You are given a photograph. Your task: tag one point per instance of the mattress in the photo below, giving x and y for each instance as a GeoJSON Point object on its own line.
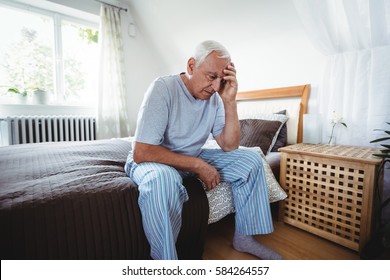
{"type": "Point", "coordinates": [73, 200]}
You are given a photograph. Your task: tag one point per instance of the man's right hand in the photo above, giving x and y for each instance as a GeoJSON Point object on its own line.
{"type": "Point", "coordinates": [208, 175]}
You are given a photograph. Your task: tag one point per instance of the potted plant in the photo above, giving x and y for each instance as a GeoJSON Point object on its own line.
{"type": "Point", "coordinates": [384, 153]}
{"type": "Point", "coordinates": [21, 93]}
{"type": "Point", "coordinates": [380, 240]}
{"type": "Point", "coordinates": [40, 96]}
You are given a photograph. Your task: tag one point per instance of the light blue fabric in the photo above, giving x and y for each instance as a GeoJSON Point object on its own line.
{"type": "Point", "coordinates": [170, 116]}
{"type": "Point", "coordinates": [161, 196]}
{"type": "Point", "coordinates": [244, 170]}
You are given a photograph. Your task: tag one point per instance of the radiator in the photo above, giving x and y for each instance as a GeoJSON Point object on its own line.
{"type": "Point", "coordinates": [36, 129]}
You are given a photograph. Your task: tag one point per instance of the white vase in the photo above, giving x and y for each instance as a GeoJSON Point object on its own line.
{"type": "Point", "coordinates": [332, 140]}
{"type": "Point", "coordinates": [22, 99]}
{"type": "Point", "coordinates": [40, 97]}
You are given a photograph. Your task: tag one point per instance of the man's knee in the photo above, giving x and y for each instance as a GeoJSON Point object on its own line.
{"type": "Point", "coordinates": [162, 184]}
{"type": "Point", "coordinates": [250, 157]}
{"type": "Point", "coordinates": [161, 173]}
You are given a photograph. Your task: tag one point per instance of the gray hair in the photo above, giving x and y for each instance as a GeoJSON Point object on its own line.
{"type": "Point", "coordinates": [207, 47]}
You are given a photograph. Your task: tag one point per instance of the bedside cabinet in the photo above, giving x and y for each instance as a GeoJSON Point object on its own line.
{"type": "Point", "coordinates": [330, 191]}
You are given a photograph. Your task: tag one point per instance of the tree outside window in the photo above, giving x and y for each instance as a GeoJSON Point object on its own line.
{"type": "Point", "coordinates": [62, 61]}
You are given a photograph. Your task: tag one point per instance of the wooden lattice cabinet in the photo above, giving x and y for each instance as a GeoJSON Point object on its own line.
{"type": "Point", "coordinates": [330, 191]}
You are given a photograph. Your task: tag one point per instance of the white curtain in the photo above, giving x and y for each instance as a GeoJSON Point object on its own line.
{"type": "Point", "coordinates": [355, 37]}
{"type": "Point", "coordinates": [112, 109]}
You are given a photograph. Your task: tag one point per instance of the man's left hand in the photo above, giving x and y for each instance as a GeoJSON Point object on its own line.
{"type": "Point", "coordinates": [229, 88]}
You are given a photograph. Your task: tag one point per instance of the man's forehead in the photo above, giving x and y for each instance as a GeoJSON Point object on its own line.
{"type": "Point", "coordinates": [215, 65]}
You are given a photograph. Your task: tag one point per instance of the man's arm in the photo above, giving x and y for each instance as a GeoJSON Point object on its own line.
{"type": "Point", "coordinates": [154, 153]}
{"type": "Point", "coordinates": [229, 138]}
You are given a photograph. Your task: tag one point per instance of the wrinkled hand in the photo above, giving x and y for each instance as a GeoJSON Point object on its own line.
{"type": "Point", "coordinates": [209, 176]}
{"type": "Point", "coordinates": [228, 91]}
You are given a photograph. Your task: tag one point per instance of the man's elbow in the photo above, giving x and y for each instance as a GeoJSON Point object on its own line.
{"type": "Point", "coordinates": [228, 145]}
{"type": "Point", "coordinates": [230, 148]}
{"type": "Point", "coordinates": [138, 156]}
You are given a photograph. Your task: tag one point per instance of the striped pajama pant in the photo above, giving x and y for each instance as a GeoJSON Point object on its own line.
{"type": "Point", "coordinates": [161, 196]}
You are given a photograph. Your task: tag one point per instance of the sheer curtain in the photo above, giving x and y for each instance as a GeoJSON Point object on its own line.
{"type": "Point", "coordinates": [355, 37]}
{"type": "Point", "coordinates": [112, 109]}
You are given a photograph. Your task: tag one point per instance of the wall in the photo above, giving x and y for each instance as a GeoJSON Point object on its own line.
{"type": "Point", "coordinates": [265, 38]}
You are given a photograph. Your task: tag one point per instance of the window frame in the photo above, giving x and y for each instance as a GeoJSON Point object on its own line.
{"type": "Point", "coordinates": [58, 13]}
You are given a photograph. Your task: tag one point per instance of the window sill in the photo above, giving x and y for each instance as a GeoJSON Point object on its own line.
{"type": "Point", "coordinates": [38, 109]}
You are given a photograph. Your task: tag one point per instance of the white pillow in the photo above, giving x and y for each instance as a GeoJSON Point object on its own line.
{"type": "Point", "coordinates": [269, 117]}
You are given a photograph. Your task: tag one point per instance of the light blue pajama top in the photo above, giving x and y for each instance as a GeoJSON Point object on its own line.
{"type": "Point", "coordinates": [171, 117]}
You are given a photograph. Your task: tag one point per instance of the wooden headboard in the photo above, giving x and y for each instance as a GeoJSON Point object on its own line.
{"type": "Point", "coordinates": [301, 92]}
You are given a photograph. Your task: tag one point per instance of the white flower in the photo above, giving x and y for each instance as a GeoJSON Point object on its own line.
{"type": "Point", "coordinates": [335, 119]}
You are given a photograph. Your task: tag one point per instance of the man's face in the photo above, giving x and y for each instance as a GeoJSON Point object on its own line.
{"type": "Point", "coordinates": [207, 78]}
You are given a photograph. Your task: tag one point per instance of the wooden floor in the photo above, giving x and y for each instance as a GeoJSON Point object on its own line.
{"type": "Point", "coordinates": [291, 242]}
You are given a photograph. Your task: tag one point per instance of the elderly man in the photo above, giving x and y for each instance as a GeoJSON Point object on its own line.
{"type": "Point", "coordinates": [176, 118]}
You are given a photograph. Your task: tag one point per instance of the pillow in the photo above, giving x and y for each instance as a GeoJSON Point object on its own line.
{"type": "Point", "coordinates": [281, 141]}
{"type": "Point", "coordinates": [259, 133]}
{"type": "Point", "coordinates": [278, 116]}
{"type": "Point", "coordinates": [220, 202]}
{"type": "Point", "coordinates": [221, 197]}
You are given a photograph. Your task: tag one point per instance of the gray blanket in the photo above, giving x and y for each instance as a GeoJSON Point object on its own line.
{"type": "Point", "coordinates": [73, 200]}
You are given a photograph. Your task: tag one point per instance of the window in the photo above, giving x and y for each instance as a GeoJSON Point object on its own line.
{"type": "Point", "coordinates": [50, 51]}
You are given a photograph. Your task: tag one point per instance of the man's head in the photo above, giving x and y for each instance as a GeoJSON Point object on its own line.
{"type": "Point", "coordinates": [205, 69]}
{"type": "Point", "coordinates": [206, 47]}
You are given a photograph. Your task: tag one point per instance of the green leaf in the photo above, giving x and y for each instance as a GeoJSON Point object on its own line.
{"type": "Point", "coordinates": [380, 140]}
{"type": "Point", "coordinates": [382, 155]}
{"type": "Point", "coordinates": [344, 124]}
{"type": "Point", "coordinates": [14, 90]}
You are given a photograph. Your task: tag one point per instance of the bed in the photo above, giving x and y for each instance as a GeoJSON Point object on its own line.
{"type": "Point", "coordinates": [73, 200]}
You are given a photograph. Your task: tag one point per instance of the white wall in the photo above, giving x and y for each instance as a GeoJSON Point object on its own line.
{"type": "Point", "coordinates": [265, 38]}
{"type": "Point", "coordinates": [143, 64]}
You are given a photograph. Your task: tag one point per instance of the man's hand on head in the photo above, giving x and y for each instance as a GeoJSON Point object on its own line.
{"type": "Point", "coordinates": [229, 87]}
